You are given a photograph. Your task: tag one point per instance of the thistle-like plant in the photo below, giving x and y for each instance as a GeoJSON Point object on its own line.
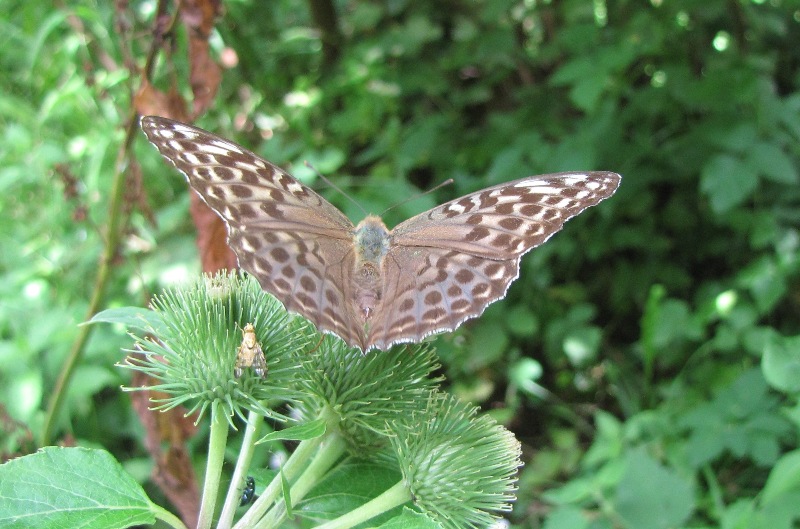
{"type": "Point", "coordinates": [376, 439]}
{"type": "Point", "coordinates": [191, 340]}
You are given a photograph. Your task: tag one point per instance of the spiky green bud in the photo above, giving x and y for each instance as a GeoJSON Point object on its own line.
{"type": "Point", "coordinates": [192, 347]}
{"type": "Point", "coordinates": [363, 391]}
{"type": "Point", "coordinates": [459, 467]}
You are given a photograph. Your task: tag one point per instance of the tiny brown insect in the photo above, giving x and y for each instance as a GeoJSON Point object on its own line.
{"type": "Point", "coordinates": [250, 354]}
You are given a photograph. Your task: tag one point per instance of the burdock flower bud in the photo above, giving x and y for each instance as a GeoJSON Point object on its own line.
{"type": "Point", "coordinates": [361, 392]}
{"type": "Point", "coordinates": [460, 468]}
{"type": "Point", "coordinates": [194, 334]}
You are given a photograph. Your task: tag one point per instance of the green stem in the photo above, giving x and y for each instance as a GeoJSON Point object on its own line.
{"type": "Point", "coordinates": [167, 517]}
{"type": "Point", "coordinates": [254, 421]}
{"type": "Point", "coordinates": [717, 505]}
{"type": "Point", "coordinates": [112, 236]}
{"type": "Point", "coordinates": [329, 452]}
{"type": "Point", "coordinates": [216, 455]}
{"type": "Point", "coordinates": [394, 497]}
{"type": "Point", "coordinates": [297, 461]}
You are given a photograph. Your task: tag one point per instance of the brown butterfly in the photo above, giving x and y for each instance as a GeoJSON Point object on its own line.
{"type": "Point", "coordinates": [369, 285]}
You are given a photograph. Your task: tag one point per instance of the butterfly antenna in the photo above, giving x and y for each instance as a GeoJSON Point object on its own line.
{"type": "Point", "coordinates": [419, 195]}
{"type": "Point", "coordinates": [337, 188]}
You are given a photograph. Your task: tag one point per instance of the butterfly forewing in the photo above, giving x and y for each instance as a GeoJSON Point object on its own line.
{"type": "Point", "coordinates": [371, 287]}
{"type": "Point", "coordinates": [242, 187]}
{"type": "Point", "coordinates": [508, 219]}
{"type": "Point", "coordinates": [296, 243]}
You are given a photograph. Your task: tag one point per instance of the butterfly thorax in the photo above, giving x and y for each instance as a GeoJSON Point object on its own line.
{"type": "Point", "coordinates": [371, 242]}
{"type": "Point", "coordinates": [371, 238]}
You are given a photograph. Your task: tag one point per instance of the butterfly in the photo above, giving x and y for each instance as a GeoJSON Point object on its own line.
{"type": "Point", "coordinates": [371, 286]}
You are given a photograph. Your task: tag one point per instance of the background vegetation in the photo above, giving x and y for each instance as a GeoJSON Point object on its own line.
{"type": "Point", "coordinates": [648, 357]}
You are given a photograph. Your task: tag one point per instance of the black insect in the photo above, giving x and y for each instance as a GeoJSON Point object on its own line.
{"type": "Point", "coordinates": [249, 491]}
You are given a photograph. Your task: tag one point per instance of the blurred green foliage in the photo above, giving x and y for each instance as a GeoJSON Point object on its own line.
{"type": "Point", "coordinates": [647, 356]}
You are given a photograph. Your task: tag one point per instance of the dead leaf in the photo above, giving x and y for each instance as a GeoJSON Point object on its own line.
{"type": "Point", "coordinates": [165, 439]}
{"type": "Point", "coordinates": [205, 74]}
{"type": "Point", "coordinates": [150, 101]}
{"type": "Point", "coordinates": [17, 437]}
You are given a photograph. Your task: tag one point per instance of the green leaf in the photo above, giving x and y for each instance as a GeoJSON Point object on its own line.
{"type": "Point", "coordinates": [651, 496]}
{"type": "Point", "coordinates": [784, 477]}
{"type": "Point", "coordinates": [301, 432]}
{"type": "Point", "coordinates": [743, 418]}
{"type": "Point", "coordinates": [89, 380]}
{"type": "Point", "coordinates": [781, 363]}
{"type": "Point", "coordinates": [567, 516]}
{"type": "Point", "coordinates": [524, 373]}
{"type": "Point", "coordinates": [71, 487]}
{"type": "Point", "coordinates": [522, 321]}
{"type": "Point", "coordinates": [765, 282]}
{"type": "Point", "coordinates": [346, 487]}
{"type": "Point", "coordinates": [131, 317]}
{"type": "Point", "coordinates": [650, 320]}
{"type": "Point", "coordinates": [608, 440]}
{"type": "Point", "coordinates": [738, 138]}
{"type": "Point", "coordinates": [581, 344]}
{"type": "Point", "coordinates": [781, 513]}
{"type": "Point", "coordinates": [506, 163]}
{"type": "Point", "coordinates": [486, 344]}
{"type": "Point", "coordinates": [668, 323]}
{"type": "Point", "coordinates": [727, 182]}
{"type": "Point", "coordinates": [769, 160]}
{"type": "Point", "coordinates": [738, 515]}
{"type": "Point", "coordinates": [586, 93]}
{"type": "Point", "coordinates": [575, 491]}
{"type": "Point", "coordinates": [409, 519]}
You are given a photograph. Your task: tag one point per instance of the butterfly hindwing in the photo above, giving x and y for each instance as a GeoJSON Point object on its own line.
{"type": "Point", "coordinates": [430, 290]}
{"type": "Point", "coordinates": [309, 274]}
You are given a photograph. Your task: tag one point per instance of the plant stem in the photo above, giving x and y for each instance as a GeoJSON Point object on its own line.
{"type": "Point", "coordinates": [112, 236]}
{"type": "Point", "coordinates": [216, 455]}
{"type": "Point", "coordinates": [167, 517]}
{"type": "Point", "coordinates": [254, 421]}
{"type": "Point", "coordinates": [329, 452]}
{"type": "Point", "coordinates": [394, 497]}
{"type": "Point", "coordinates": [291, 468]}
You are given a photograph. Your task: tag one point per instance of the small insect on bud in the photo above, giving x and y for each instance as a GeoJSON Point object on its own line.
{"type": "Point", "coordinates": [250, 354]}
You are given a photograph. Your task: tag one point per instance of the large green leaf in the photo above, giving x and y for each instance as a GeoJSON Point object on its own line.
{"type": "Point", "coordinates": [70, 487]}
{"type": "Point", "coordinates": [651, 496]}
